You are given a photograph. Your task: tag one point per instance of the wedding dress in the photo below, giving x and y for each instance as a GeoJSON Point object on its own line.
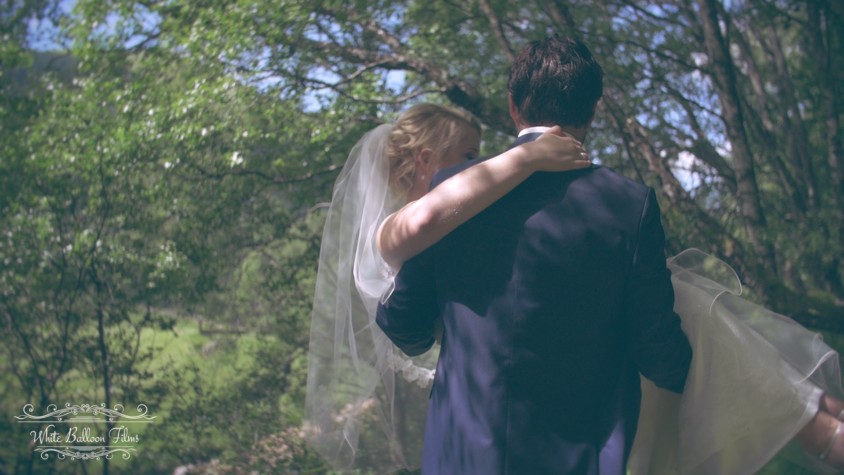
{"type": "Point", "coordinates": [756, 376]}
{"type": "Point", "coordinates": [755, 380]}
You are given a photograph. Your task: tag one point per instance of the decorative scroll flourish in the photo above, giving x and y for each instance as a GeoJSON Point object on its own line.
{"type": "Point", "coordinates": [80, 453]}
{"type": "Point", "coordinates": [54, 413]}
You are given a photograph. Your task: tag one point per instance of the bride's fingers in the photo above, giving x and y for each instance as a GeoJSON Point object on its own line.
{"type": "Point", "coordinates": [583, 155]}
{"type": "Point", "coordinates": [833, 406]}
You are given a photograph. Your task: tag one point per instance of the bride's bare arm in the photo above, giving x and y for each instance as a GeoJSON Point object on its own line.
{"type": "Point", "coordinates": [423, 222]}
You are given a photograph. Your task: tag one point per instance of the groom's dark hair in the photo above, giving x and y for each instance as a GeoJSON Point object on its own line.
{"type": "Point", "coordinates": [556, 81]}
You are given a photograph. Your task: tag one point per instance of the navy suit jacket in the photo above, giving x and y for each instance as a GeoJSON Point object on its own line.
{"type": "Point", "coordinates": [553, 300]}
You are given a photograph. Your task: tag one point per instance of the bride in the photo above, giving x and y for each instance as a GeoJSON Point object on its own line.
{"type": "Point", "coordinates": [757, 380]}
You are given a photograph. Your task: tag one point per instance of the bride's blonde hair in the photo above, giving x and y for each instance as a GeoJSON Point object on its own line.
{"type": "Point", "coordinates": [423, 126]}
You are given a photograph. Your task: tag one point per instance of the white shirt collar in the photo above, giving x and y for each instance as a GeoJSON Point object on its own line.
{"type": "Point", "coordinates": [533, 130]}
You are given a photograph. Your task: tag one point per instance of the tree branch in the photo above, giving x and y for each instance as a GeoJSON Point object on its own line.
{"type": "Point", "coordinates": [497, 30]}
{"type": "Point", "coordinates": [262, 175]}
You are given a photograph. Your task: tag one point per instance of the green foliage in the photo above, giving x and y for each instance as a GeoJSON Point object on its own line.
{"type": "Point", "coordinates": [168, 170]}
{"type": "Point", "coordinates": [225, 403]}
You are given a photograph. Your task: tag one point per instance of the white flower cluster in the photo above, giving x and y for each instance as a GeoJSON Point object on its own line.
{"type": "Point", "coordinates": [352, 411]}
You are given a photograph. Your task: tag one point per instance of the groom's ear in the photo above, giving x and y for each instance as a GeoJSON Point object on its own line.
{"type": "Point", "coordinates": [594, 110]}
{"type": "Point", "coordinates": [514, 113]}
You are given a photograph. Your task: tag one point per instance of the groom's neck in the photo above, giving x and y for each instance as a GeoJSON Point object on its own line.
{"type": "Point", "coordinates": [578, 133]}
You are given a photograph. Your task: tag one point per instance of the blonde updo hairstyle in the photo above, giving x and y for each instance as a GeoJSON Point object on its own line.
{"type": "Point", "coordinates": [430, 126]}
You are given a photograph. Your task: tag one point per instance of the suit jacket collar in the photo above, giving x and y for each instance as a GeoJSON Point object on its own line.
{"type": "Point", "coordinates": [525, 139]}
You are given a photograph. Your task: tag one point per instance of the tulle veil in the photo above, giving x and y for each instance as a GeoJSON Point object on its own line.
{"type": "Point", "coordinates": [365, 403]}
{"type": "Point", "coordinates": [755, 380]}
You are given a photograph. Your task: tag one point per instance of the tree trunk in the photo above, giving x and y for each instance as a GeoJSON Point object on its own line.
{"type": "Point", "coordinates": [820, 23]}
{"type": "Point", "coordinates": [106, 367]}
{"type": "Point", "coordinates": [749, 202]}
{"type": "Point", "coordinates": [794, 129]}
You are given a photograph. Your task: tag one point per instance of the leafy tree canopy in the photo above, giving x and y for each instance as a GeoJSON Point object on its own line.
{"type": "Point", "coordinates": [174, 158]}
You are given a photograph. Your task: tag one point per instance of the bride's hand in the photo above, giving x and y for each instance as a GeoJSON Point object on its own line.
{"type": "Point", "coordinates": [555, 151]}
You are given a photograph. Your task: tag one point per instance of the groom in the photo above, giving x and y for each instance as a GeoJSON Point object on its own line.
{"type": "Point", "coordinates": [553, 301]}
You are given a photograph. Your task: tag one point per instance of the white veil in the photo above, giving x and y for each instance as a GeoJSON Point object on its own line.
{"type": "Point", "coordinates": [358, 414]}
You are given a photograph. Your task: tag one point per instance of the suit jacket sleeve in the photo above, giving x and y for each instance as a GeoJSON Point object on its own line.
{"type": "Point", "coordinates": [659, 346]}
{"type": "Point", "coordinates": [407, 316]}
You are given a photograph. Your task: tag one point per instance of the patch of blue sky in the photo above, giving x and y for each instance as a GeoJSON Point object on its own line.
{"type": "Point", "coordinates": [44, 34]}
{"type": "Point", "coordinates": [148, 22]}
